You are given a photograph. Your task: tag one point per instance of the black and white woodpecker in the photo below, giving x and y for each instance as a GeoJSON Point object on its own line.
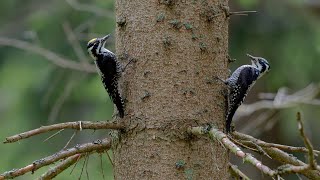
{"type": "Point", "coordinates": [240, 82]}
{"type": "Point", "coordinates": [109, 69]}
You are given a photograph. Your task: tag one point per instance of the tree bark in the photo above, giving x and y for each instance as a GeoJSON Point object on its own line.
{"type": "Point", "coordinates": [179, 46]}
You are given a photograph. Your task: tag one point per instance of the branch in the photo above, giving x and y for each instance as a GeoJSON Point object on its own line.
{"type": "Point", "coordinates": [96, 146]}
{"type": "Point", "coordinates": [235, 172]}
{"type": "Point", "coordinates": [221, 137]}
{"type": "Point", "coordinates": [312, 161]}
{"type": "Point", "coordinates": [71, 37]}
{"type": "Point", "coordinates": [266, 144]}
{"type": "Point", "coordinates": [51, 56]}
{"type": "Point", "coordinates": [283, 100]}
{"type": "Point", "coordinates": [79, 125]}
{"type": "Point", "coordinates": [54, 171]}
{"type": "Point", "coordinates": [276, 154]}
{"type": "Point", "coordinates": [241, 13]}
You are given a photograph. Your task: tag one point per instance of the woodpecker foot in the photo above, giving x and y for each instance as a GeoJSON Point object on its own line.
{"type": "Point", "coordinates": [216, 78]}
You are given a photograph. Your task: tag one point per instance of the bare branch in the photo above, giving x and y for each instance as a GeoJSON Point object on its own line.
{"type": "Point", "coordinates": [96, 146]}
{"type": "Point", "coordinates": [221, 137]}
{"type": "Point", "coordinates": [288, 168]}
{"type": "Point", "coordinates": [74, 42]}
{"type": "Point", "coordinates": [235, 172]}
{"type": "Point", "coordinates": [68, 125]}
{"type": "Point", "coordinates": [49, 55]}
{"type": "Point", "coordinates": [312, 161]}
{"type": "Point", "coordinates": [283, 100]}
{"type": "Point", "coordinates": [278, 155]}
{"type": "Point", "coordinates": [278, 146]}
{"type": "Point", "coordinates": [63, 165]}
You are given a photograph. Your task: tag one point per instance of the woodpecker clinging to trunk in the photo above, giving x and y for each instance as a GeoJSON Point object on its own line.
{"type": "Point", "coordinates": [109, 69]}
{"type": "Point", "coordinates": [240, 82]}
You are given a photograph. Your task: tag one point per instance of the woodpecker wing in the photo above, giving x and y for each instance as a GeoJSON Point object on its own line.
{"type": "Point", "coordinates": [110, 71]}
{"type": "Point", "coordinates": [239, 90]}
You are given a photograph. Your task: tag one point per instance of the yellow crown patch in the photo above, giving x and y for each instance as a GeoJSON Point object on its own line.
{"type": "Point", "coordinates": [92, 40]}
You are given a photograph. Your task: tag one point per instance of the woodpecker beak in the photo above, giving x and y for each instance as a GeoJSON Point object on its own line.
{"type": "Point", "coordinates": [105, 38]}
{"type": "Point", "coordinates": [253, 59]}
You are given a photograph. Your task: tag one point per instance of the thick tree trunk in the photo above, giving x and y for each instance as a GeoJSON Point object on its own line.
{"type": "Point", "coordinates": [178, 47]}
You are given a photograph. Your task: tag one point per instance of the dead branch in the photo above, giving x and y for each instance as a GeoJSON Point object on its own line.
{"type": "Point", "coordinates": [49, 55]}
{"type": "Point", "coordinates": [288, 168]}
{"type": "Point", "coordinates": [96, 146]}
{"type": "Point", "coordinates": [283, 100]}
{"type": "Point", "coordinates": [307, 143]}
{"type": "Point", "coordinates": [276, 154]}
{"type": "Point", "coordinates": [235, 172]}
{"type": "Point", "coordinates": [79, 125]}
{"type": "Point", "coordinates": [73, 41]}
{"type": "Point", "coordinates": [223, 138]}
{"type": "Point", "coordinates": [63, 165]}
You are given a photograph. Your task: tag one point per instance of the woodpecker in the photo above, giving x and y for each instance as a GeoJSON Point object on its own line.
{"type": "Point", "coordinates": [240, 83]}
{"type": "Point", "coordinates": [109, 69]}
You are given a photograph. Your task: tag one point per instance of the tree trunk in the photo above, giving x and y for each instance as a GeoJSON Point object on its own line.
{"type": "Point", "coordinates": [178, 47]}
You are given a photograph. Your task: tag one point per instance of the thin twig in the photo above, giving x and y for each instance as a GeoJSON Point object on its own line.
{"type": "Point", "coordinates": [241, 13]}
{"type": "Point", "coordinates": [74, 166]}
{"type": "Point", "coordinates": [109, 158]}
{"type": "Point", "coordinates": [54, 171]}
{"type": "Point", "coordinates": [67, 125]}
{"type": "Point", "coordinates": [235, 172]}
{"type": "Point", "coordinates": [49, 55]}
{"type": "Point", "coordinates": [84, 162]}
{"type": "Point", "coordinates": [87, 162]}
{"type": "Point", "coordinates": [73, 41]}
{"type": "Point", "coordinates": [69, 140]}
{"type": "Point", "coordinates": [53, 135]}
{"type": "Point", "coordinates": [102, 172]}
{"type": "Point", "coordinates": [307, 143]}
{"type": "Point", "coordinates": [103, 145]}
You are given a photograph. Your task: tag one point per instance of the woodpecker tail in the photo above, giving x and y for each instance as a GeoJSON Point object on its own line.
{"type": "Point", "coordinates": [230, 114]}
{"type": "Point", "coordinates": [120, 105]}
{"type": "Point", "coordinates": [111, 85]}
{"type": "Point", "coordinates": [118, 101]}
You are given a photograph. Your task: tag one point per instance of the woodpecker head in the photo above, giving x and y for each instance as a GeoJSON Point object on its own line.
{"type": "Point", "coordinates": [260, 63]}
{"type": "Point", "coordinates": [96, 46]}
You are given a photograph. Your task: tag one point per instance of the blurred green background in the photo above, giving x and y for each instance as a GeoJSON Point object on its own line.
{"type": "Point", "coordinates": [35, 92]}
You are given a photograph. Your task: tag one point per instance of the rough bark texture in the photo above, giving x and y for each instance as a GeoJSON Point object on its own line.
{"type": "Point", "coordinates": [178, 45]}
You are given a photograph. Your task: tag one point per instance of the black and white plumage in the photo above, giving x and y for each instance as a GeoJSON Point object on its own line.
{"type": "Point", "coordinates": [240, 82]}
{"type": "Point", "coordinates": [109, 69]}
